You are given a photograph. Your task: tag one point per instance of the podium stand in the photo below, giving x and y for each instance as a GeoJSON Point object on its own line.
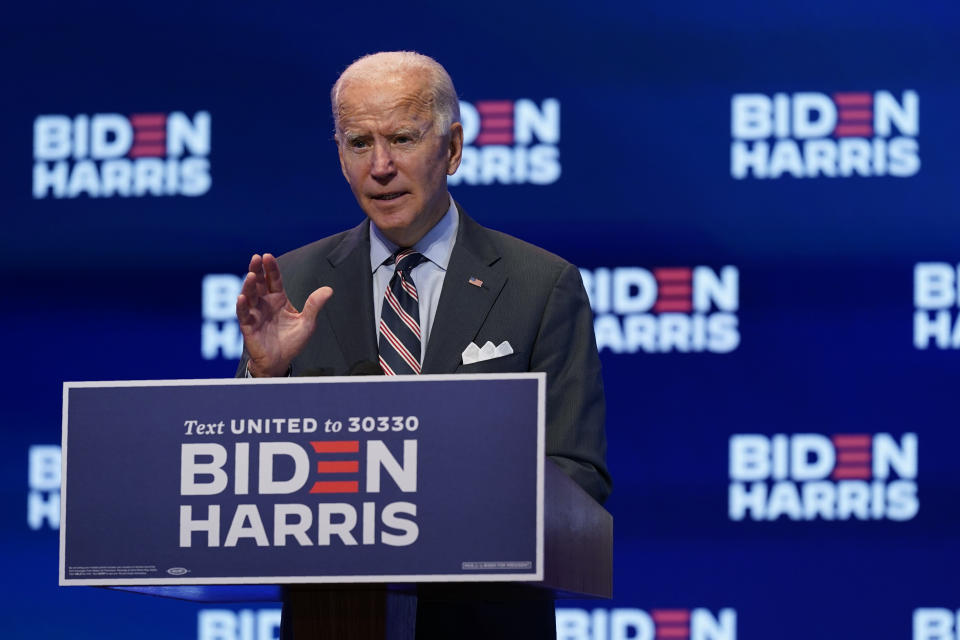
{"type": "Point", "coordinates": [349, 498]}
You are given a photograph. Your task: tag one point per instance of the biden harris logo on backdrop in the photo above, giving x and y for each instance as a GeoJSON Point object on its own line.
{"type": "Point", "coordinates": [810, 476]}
{"type": "Point", "coordinates": [665, 309]}
{"type": "Point", "coordinates": [810, 134]}
{"type": "Point", "coordinates": [245, 624]}
{"type": "Point", "coordinates": [219, 333]}
{"type": "Point", "coordinates": [509, 142]}
{"type": "Point", "coordinates": [936, 623]}
{"type": "Point", "coordinates": [655, 624]}
{"type": "Point", "coordinates": [936, 301]}
{"type": "Point", "coordinates": [106, 155]}
{"type": "Point", "coordinates": [43, 487]}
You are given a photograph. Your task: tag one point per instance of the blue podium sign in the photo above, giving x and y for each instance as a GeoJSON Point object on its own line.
{"type": "Point", "coordinates": [303, 480]}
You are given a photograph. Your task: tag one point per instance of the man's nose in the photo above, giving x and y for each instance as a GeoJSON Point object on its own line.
{"type": "Point", "coordinates": [382, 167]}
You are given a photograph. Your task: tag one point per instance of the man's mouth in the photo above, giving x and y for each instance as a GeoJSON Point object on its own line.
{"type": "Point", "coordinates": [389, 196]}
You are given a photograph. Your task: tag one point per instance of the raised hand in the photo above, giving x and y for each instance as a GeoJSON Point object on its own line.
{"type": "Point", "coordinates": [274, 332]}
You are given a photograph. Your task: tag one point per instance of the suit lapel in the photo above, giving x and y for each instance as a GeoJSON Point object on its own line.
{"type": "Point", "coordinates": [350, 310]}
{"type": "Point", "coordinates": [463, 306]}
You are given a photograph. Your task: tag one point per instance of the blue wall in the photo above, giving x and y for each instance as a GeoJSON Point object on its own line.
{"type": "Point", "coordinates": [794, 164]}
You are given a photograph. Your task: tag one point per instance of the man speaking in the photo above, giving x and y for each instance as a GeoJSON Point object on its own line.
{"type": "Point", "coordinates": [421, 287]}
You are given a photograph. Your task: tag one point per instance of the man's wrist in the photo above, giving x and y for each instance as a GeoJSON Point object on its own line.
{"type": "Point", "coordinates": [287, 374]}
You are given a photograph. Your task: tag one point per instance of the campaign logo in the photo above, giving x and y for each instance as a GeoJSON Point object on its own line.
{"type": "Point", "coordinates": [43, 487]}
{"type": "Point", "coordinates": [935, 623]}
{"type": "Point", "coordinates": [666, 309]}
{"type": "Point", "coordinates": [245, 624]}
{"type": "Point", "coordinates": [638, 624]}
{"type": "Point", "coordinates": [809, 134]}
{"type": "Point", "coordinates": [936, 301]}
{"type": "Point", "coordinates": [219, 332]}
{"type": "Point", "coordinates": [808, 476]}
{"type": "Point", "coordinates": [324, 466]}
{"type": "Point", "coordinates": [509, 142]}
{"type": "Point", "coordinates": [109, 154]}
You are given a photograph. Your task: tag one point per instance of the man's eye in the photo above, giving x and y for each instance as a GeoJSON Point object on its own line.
{"type": "Point", "coordinates": [358, 144]}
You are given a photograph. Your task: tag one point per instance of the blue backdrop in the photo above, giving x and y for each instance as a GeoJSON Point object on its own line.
{"type": "Point", "coordinates": [760, 196]}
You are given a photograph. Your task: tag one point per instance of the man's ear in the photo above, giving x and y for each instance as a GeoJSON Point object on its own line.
{"type": "Point", "coordinates": [455, 148]}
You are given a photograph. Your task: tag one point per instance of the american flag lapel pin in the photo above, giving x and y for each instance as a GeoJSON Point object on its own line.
{"type": "Point", "coordinates": [475, 281]}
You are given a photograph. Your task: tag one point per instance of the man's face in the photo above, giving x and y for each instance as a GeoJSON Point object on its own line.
{"type": "Point", "coordinates": [392, 156]}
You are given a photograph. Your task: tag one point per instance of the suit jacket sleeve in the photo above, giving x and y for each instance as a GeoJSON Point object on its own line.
{"type": "Point", "coordinates": [565, 348]}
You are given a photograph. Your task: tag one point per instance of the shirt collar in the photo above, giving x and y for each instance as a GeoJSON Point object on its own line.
{"type": "Point", "coordinates": [436, 246]}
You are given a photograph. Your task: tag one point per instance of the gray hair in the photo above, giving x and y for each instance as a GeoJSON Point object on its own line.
{"type": "Point", "coordinates": [442, 95]}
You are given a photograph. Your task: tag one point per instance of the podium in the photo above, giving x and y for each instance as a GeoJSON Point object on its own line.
{"type": "Point", "coordinates": [348, 498]}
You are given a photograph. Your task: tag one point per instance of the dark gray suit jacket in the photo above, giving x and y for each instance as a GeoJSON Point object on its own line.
{"type": "Point", "coordinates": [530, 297]}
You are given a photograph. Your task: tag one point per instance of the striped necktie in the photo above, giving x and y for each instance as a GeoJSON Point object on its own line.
{"type": "Point", "coordinates": [400, 318]}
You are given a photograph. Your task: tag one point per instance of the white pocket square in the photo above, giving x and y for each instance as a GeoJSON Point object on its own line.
{"type": "Point", "coordinates": [473, 353]}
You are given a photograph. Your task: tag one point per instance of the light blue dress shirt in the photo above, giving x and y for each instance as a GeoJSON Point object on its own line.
{"type": "Point", "coordinates": [428, 276]}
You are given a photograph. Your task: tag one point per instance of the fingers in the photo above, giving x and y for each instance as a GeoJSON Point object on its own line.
{"type": "Point", "coordinates": [315, 302]}
{"type": "Point", "coordinates": [256, 268]}
{"type": "Point", "coordinates": [264, 278]}
{"type": "Point", "coordinates": [243, 310]}
{"type": "Point", "coordinates": [248, 300]}
{"type": "Point", "coordinates": [250, 288]}
{"type": "Point", "coordinates": [271, 271]}
{"type": "Point", "coordinates": [254, 287]}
